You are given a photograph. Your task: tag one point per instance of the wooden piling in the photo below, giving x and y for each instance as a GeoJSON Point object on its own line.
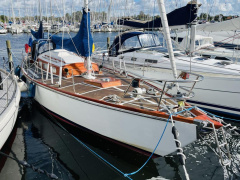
{"type": "Point", "coordinates": [10, 60]}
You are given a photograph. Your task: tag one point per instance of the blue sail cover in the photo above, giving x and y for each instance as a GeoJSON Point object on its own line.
{"type": "Point", "coordinates": [80, 44]}
{"type": "Point", "coordinates": [180, 16]}
{"type": "Point", "coordinates": [39, 34]}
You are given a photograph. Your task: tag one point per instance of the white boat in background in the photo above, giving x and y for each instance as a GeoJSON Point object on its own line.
{"type": "Point", "coordinates": [225, 34]}
{"type": "Point", "coordinates": [204, 46]}
{"type": "Point", "coordinates": [142, 53]}
{"type": "Point", "coordinates": [9, 103]}
{"type": "Point", "coordinates": [2, 30]}
{"type": "Point", "coordinates": [64, 29]}
{"type": "Point", "coordinates": [15, 29]}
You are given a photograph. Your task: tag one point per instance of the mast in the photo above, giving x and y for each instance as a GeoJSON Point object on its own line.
{"type": "Point", "coordinates": [40, 10]}
{"type": "Point", "coordinates": [51, 11]}
{"type": "Point", "coordinates": [89, 63]}
{"type": "Point", "coordinates": [166, 34]}
{"type": "Point", "coordinates": [109, 11]}
{"type": "Point", "coordinates": [24, 10]}
{"type": "Point", "coordinates": [13, 13]}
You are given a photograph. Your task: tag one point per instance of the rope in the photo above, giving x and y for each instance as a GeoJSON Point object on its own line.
{"type": "Point", "coordinates": [170, 117]}
{"type": "Point", "coordinates": [88, 148]}
{"type": "Point", "coordinates": [118, 170]}
{"type": "Point", "coordinates": [129, 174]}
{"type": "Point", "coordinates": [25, 164]}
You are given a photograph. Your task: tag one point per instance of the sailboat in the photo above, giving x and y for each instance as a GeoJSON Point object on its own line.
{"type": "Point", "coordinates": [9, 100]}
{"type": "Point", "coordinates": [142, 53]}
{"type": "Point", "coordinates": [216, 40]}
{"type": "Point", "coordinates": [123, 108]}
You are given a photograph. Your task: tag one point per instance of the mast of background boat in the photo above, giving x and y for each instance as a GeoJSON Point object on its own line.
{"type": "Point", "coordinates": [89, 62]}
{"type": "Point", "coordinates": [51, 12]}
{"type": "Point", "coordinates": [109, 11]}
{"type": "Point", "coordinates": [13, 13]}
{"type": "Point", "coordinates": [40, 10]}
{"type": "Point", "coordinates": [166, 33]}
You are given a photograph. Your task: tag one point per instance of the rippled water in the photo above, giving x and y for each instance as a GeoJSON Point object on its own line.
{"type": "Point", "coordinates": [47, 146]}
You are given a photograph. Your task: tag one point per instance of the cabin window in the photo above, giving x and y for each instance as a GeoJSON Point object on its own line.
{"type": "Point", "coordinates": [206, 56]}
{"type": "Point", "coordinates": [45, 46]}
{"type": "Point", "coordinates": [151, 61]}
{"type": "Point", "coordinates": [222, 58]}
{"type": "Point", "coordinates": [197, 43]}
{"type": "Point", "coordinates": [133, 59]}
{"type": "Point", "coordinates": [54, 70]}
{"type": "Point", "coordinates": [40, 63]}
{"type": "Point", "coordinates": [45, 66]}
{"type": "Point", "coordinates": [130, 43]}
{"type": "Point", "coordinates": [175, 55]}
{"type": "Point", "coordinates": [201, 58]}
{"type": "Point", "coordinates": [205, 41]}
{"type": "Point", "coordinates": [146, 40]}
{"type": "Point", "coordinates": [156, 40]}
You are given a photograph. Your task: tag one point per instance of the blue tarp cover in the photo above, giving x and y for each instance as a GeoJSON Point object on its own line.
{"type": "Point", "coordinates": [180, 16]}
{"type": "Point", "coordinates": [80, 44]}
{"type": "Point", "coordinates": [39, 34]}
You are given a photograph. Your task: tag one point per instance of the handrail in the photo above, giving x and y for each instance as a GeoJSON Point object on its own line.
{"type": "Point", "coordinates": [165, 81]}
{"type": "Point", "coordinates": [8, 76]}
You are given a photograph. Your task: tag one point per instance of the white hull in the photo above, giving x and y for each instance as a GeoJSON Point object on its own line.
{"type": "Point", "coordinates": [9, 115]}
{"type": "Point", "coordinates": [132, 128]}
{"type": "Point", "coordinates": [3, 31]}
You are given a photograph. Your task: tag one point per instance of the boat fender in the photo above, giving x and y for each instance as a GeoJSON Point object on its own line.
{"type": "Point", "coordinates": [17, 71]}
{"type": "Point", "coordinates": [27, 48]}
{"type": "Point", "coordinates": [178, 145]}
{"type": "Point", "coordinates": [31, 90]}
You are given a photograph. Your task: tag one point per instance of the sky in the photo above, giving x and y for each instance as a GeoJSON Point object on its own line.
{"type": "Point", "coordinates": [119, 7]}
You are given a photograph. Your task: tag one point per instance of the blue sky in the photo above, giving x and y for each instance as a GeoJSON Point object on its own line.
{"type": "Point", "coordinates": [226, 7]}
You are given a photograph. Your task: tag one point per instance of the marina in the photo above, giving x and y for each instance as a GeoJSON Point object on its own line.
{"type": "Point", "coordinates": [92, 95]}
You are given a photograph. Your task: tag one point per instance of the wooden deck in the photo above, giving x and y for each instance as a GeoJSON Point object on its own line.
{"type": "Point", "coordinates": [114, 94]}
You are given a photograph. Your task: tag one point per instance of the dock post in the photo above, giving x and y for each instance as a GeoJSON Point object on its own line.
{"type": "Point", "coordinates": [10, 60]}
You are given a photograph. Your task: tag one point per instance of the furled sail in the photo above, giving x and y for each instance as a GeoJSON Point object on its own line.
{"type": "Point", "coordinates": [178, 17]}
{"type": "Point", "coordinates": [39, 34]}
{"type": "Point", "coordinates": [229, 25]}
{"type": "Point", "coordinates": [82, 43]}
